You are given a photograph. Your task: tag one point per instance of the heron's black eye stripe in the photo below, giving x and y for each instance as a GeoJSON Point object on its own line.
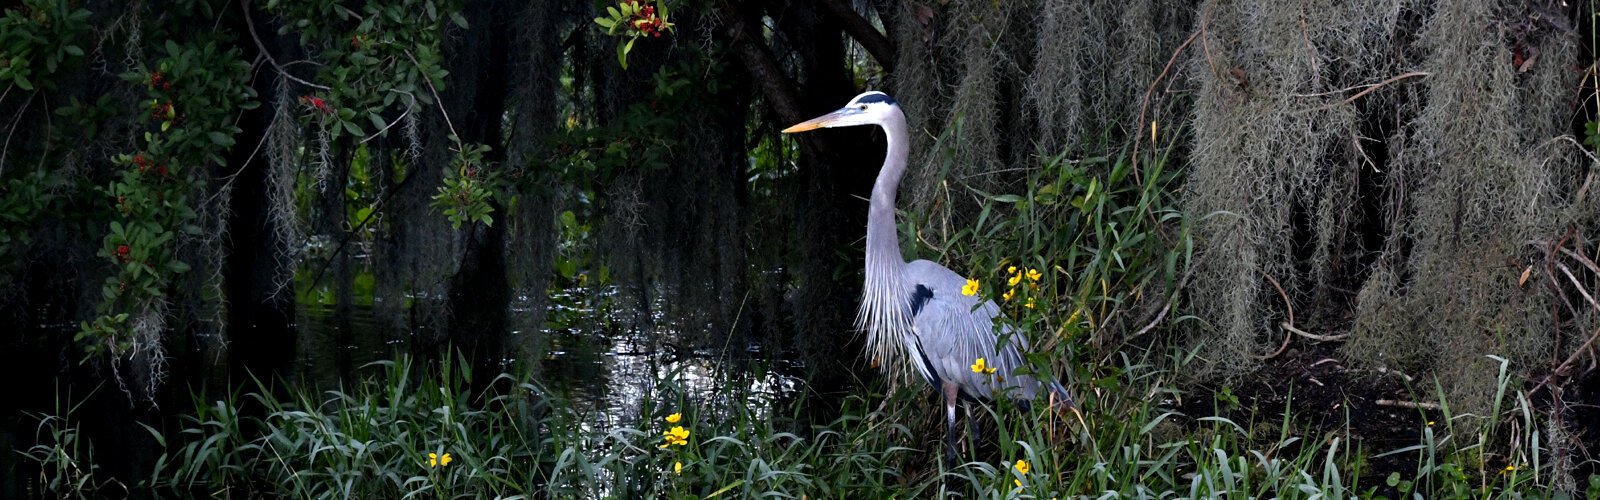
{"type": "Point", "coordinates": [875, 97]}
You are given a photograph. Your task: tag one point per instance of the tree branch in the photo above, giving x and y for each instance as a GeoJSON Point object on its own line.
{"type": "Point", "coordinates": [244, 5]}
{"type": "Point", "coordinates": [775, 86]}
{"type": "Point", "coordinates": [863, 32]}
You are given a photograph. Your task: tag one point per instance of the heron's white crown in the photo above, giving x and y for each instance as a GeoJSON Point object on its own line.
{"type": "Point", "coordinates": [869, 108]}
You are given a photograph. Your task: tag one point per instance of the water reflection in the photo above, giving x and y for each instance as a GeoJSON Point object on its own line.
{"type": "Point", "coordinates": [605, 372]}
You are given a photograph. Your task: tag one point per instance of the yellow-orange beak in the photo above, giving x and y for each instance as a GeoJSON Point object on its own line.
{"type": "Point", "coordinates": [812, 124]}
{"type": "Point", "coordinates": [840, 118]}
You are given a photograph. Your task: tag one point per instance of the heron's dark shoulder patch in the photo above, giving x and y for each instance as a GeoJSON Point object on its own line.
{"type": "Point", "coordinates": [920, 298]}
{"type": "Point", "coordinates": [875, 97]}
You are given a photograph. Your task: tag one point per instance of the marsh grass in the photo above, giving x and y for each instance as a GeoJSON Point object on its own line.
{"type": "Point", "coordinates": [373, 440]}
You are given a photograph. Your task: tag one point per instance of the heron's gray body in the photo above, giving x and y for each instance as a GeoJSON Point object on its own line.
{"type": "Point", "coordinates": [950, 331]}
{"type": "Point", "coordinates": [917, 310]}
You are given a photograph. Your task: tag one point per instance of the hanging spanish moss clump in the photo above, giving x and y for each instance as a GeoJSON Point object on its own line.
{"type": "Point", "coordinates": [1407, 161]}
{"type": "Point", "coordinates": [670, 224]}
{"type": "Point", "coordinates": [992, 86]}
{"type": "Point", "coordinates": [531, 235]}
{"type": "Point", "coordinates": [283, 161]}
{"type": "Point", "coordinates": [1490, 188]}
{"type": "Point", "coordinates": [1272, 131]}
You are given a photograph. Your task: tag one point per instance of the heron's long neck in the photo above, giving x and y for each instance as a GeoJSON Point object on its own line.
{"type": "Point", "coordinates": [883, 241]}
{"type": "Point", "coordinates": [885, 305]}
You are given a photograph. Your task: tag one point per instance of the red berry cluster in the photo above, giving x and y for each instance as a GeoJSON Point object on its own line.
{"type": "Point", "coordinates": [646, 21]}
{"type": "Point", "coordinates": [159, 81]}
{"type": "Point", "coordinates": [145, 164]}
{"type": "Point", "coordinates": [160, 110]}
{"type": "Point", "coordinates": [122, 254]}
{"type": "Point", "coordinates": [317, 103]}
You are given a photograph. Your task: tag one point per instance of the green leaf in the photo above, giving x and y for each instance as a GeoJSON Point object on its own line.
{"type": "Point", "coordinates": [377, 121]}
{"type": "Point", "coordinates": [459, 20]}
{"type": "Point", "coordinates": [1006, 198]}
{"type": "Point", "coordinates": [177, 267]}
{"type": "Point", "coordinates": [605, 23]}
{"type": "Point", "coordinates": [219, 138]}
{"type": "Point", "coordinates": [22, 81]}
{"type": "Point", "coordinates": [73, 49]}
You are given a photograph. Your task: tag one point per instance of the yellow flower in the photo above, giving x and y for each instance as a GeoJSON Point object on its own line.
{"type": "Point", "coordinates": [674, 418]}
{"type": "Point", "coordinates": [1510, 468]}
{"type": "Point", "coordinates": [434, 460]}
{"type": "Point", "coordinates": [1034, 275]}
{"type": "Point", "coordinates": [1017, 482]}
{"type": "Point", "coordinates": [1430, 423]}
{"type": "Point", "coordinates": [1009, 294]}
{"type": "Point", "coordinates": [1015, 278]}
{"type": "Point", "coordinates": [1023, 467]}
{"type": "Point", "coordinates": [676, 436]}
{"type": "Point", "coordinates": [1029, 305]}
{"type": "Point", "coordinates": [1011, 270]}
{"type": "Point", "coordinates": [981, 367]}
{"type": "Point", "coordinates": [677, 467]}
{"type": "Point", "coordinates": [971, 288]}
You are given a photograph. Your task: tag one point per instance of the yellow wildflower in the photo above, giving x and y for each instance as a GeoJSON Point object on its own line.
{"type": "Point", "coordinates": [981, 367]}
{"type": "Point", "coordinates": [677, 467]}
{"type": "Point", "coordinates": [1015, 278]}
{"type": "Point", "coordinates": [1034, 275]}
{"type": "Point", "coordinates": [1011, 270]}
{"type": "Point", "coordinates": [1029, 305]}
{"type": "Point", "coordinates": [434, 460]}
{"type": "Point", "coordinates": [1023, 467]}
{"type": "Point", "coordinates": [1510, 468]}
{"type": "Point", "coordinates": [677, 435]}
{"type": "Point", "coordinates": [1008, 295]}
{"type": "Point", "coordinates": [1430, 423]}
{"type": "Point", "coordinates": [971, 288]}
{"type": "Point", "coordinates": [674, 418]}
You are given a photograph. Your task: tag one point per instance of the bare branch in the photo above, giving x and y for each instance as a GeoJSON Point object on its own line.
{"type": "Point", "coordinates": [863, 32]}
{"type": "Point", "coordinates": [777, 89]}
{"type": "Point", "coordinates": [244, 5]}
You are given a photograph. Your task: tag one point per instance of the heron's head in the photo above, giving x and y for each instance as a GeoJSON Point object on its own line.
{"type": "Point", "coordinates": [869, 108]}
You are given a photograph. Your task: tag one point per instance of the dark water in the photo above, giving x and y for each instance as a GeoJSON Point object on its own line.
{"type": "Point", "coordinates": [604, 375]}
{"type": "Point", "coordinates": [604, 372]}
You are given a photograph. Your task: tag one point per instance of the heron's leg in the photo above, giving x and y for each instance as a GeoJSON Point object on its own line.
{"type": "Point", "coordinates": [974, 431]}
{"type": "Point", "coordinates": [951, 392]}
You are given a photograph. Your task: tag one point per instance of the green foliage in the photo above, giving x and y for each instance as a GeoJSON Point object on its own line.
{"type": "Point", "coordinates": [22, 200]}
{"type": "Point", "coordinates": [36, 38]}
{"type": "Point", "coordinates": [379, 59]}
{"type": "Point", "coordinates": [465, 195]}
{"type": "Point", "coordinates": [590, 157]}
{"type": "Point", "coordinates": [194, 93]}
{"type": "Point", "coordinates": [1088, 249]}
{"type": "Point", "coordinates": [634, 20]}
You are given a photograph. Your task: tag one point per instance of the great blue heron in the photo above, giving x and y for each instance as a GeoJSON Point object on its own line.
{"type": "Point", "coordinates": [921, 305]}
